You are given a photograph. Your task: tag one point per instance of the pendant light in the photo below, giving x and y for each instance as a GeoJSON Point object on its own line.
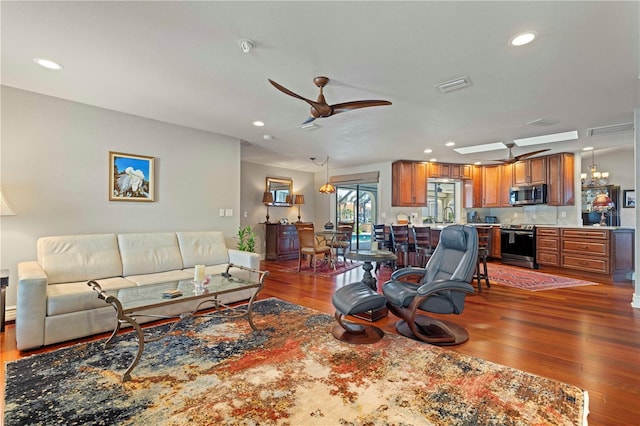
{"type": "Point", "coordinates": [327, 188]}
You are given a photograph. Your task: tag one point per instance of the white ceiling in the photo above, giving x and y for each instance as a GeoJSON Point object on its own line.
{"type": "Point", "coordinates": [181, 62]}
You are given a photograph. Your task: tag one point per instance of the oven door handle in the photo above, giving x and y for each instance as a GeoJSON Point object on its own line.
{"type": "Point", "coordinates": [518, 232]}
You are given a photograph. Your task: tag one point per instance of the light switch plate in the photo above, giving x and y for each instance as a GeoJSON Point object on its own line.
{"type": "Point", "coordinates": [221, 212]}
{"type": "Point", "coordinates": [228, 212]}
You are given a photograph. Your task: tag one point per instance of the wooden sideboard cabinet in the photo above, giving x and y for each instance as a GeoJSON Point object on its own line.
{"type": "Point", "coordinates": [601, 254]}
{"type": "Point", "coordinates": [281, 241]}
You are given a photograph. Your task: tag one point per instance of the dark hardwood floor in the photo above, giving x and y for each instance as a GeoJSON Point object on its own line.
{"type": "Point", "coordinates": [585, 336]}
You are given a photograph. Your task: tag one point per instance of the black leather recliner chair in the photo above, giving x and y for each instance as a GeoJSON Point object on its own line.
{"type": "Point", "coordinates": [442, 288]}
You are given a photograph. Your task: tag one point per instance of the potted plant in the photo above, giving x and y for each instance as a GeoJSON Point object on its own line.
{"type": "Point", "coordinates": [246, 239]}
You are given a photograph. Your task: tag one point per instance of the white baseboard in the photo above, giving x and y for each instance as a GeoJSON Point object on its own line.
{"type": "Point", "coordinates": [10, 313]}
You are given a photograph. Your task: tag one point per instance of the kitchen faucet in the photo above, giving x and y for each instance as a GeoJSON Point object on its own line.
{"type": "Point", "coordinates": [445, 217]}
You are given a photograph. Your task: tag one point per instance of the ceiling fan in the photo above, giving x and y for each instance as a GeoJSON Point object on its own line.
{"type": "Point", "coordinates": [321, 108]}
{"type": "Point", "coordinates": [512, 159]}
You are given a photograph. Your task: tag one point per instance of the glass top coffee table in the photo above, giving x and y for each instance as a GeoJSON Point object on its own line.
{"type": "Point", "coordinates": [133, 302]}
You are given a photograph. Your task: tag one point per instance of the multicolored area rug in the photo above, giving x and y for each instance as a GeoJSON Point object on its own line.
{"type": "Point", "coordinates": [322, 268]}
{"type": "Point", "coordinates": [528, 279]}
{"type": "Point", "coordinates": [292, 372]}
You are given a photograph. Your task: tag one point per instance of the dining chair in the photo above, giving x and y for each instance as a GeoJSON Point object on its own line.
{"type": "Point", "coordinates": [401, 244]}
{"type": "Point", "coordinates": [341, 241]}
{"type": "Point", "coordinates": [484, 247]}
{"type": "Point", "coordinates": [309, 246]}
{"type": "Point", "coordinates": [422, 241]}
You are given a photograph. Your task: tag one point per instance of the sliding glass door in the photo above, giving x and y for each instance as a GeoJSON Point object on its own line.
{"type": "Point", "coordinates": [357, 204]}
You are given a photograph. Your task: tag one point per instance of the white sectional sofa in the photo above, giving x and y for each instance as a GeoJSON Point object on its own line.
{"type": "Point", "coordinates": [55, 304]}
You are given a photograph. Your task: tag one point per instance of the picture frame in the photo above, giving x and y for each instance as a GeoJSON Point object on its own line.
{"type": "Point", "coordinates": [629, 198]}
{"type": "Point", "coordinates": [131, 177]}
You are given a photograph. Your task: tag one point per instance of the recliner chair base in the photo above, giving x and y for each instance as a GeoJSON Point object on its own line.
{"type": "Point", "coordinates": [435, 332]}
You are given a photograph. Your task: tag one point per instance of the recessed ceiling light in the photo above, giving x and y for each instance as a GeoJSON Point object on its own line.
{"type": "Point", "coordinates": [428, 151]}
{"type": "Point", "coordinates": [433, 160]}
{"type": "Point", "coordinates": [477, 163]}
{"type": "Point", "coordinates": [267, 137]}
{"type": "Point", "coordinates": [258, 123]}
{"type": "Point", "coordinates": [523, 38]}
{"type": "Point", "coordinates": [450, 143]}
{"type": "Point", "coordinates": [587, 148]}
{"type": "Point", "coordinates": [47, 63]}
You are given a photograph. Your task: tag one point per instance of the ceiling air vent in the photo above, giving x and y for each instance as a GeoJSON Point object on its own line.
{"type": "Point", "coordinates": [606, 130]}
{"type": "Point", "coordinates": [451, 85]}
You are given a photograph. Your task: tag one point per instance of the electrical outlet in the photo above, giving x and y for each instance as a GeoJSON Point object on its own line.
{"type": "Point", "coordinates": [245, 214]}
{"type": "Point", "coordinates": [563, 214]}
{"type": "Point", "coordinates": [221, 212]}
{"type": "Point", "coordinates": [515, 214]}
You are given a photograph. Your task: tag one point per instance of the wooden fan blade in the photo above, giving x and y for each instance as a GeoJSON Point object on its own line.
{"type": "Point", "coordinates": [295, 95]}
{"type": "Point", "coordinates": [347, 106]}
{"type": "Point", "coordinates": [529, 154]}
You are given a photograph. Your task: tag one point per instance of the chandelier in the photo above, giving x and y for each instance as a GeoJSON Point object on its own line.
{"type": "Point", "coordinates": [327, 188]}
{"type": "Point", "coordinates": [594, 177]}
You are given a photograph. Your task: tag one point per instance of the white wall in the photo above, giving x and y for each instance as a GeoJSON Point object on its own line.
{"type": "Point", "coordinates": [253, 186]}
{"type": "Point", "coordinates": [54, 160]}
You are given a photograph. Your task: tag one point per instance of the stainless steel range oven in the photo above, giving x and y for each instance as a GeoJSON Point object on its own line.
{"type": "Point", "coordinates": [518, 245]}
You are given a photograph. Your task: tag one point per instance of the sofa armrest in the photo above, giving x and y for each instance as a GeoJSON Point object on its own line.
{"type": "Point", "coordinates": [244, 258]}
{"type": "Point", "coordinates": [31, 307]}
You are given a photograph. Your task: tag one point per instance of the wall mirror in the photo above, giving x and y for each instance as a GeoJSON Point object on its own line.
{"type": "Point", "coordinates": [282, 190]}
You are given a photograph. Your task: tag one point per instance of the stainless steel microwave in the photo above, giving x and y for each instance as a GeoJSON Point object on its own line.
{"type": "Point", "coordinates": [530, 194]}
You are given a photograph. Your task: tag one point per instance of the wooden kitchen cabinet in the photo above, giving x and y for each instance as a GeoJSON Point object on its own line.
{"type": "Point", "coordinates": [530, 172]}
{"type": "Point", "coordinates": [560, 182]}
{"type": "Point", "coordinates": [585, 250]}
{"type": "Point", "coordinates": [548, 246]}
{"type": "Point", "coordinates": [281, 242]}
{"type": "Point", "coordinates": [450, 171]}
{"type": "Point", "coordinates": [496, 251]}
{"type": "Point", "coordinates": [491, 186]}
{"type": "Point", "coordinates": [472, 189]}
{"type": "Point", "coordinates": [506, 177]}
{"type": "Point", "coordinates": [439, 170]}
{"type": "Point", "coordinates": [409, 184]}
{"type": "Point", "coordinates": [597, 254]}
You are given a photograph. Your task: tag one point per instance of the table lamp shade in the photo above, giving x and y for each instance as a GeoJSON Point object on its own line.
{"type": "Point", "coordinates": [602, 203]}
{"type": "Point", "coordinates": [267, 197]}
{"type": "Point", "coordinates": [299, 199]}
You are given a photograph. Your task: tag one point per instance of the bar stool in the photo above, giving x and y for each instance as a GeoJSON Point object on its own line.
{"type": "Point", "coordinates": [484, 245]}
{"type": "Point", "coordinates": [422, 240]}
{"type": "Point", "coordinates": [401, 244]}
{"type": "Point", "coordinates": [384, 243]}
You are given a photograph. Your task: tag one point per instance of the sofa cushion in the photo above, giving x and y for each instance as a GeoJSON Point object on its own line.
{"type": "Point", "coordinates": [149, 253]}
{"type": "Point", "coordinates": [203, 248]}
{"type": "Point", "coordinates": [63, 298]}
{"type": "Point", "coordinates": [73, 258]}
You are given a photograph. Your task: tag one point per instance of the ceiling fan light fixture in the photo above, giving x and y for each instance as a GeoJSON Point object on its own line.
{"type": "Point", "coordinates": [309, 126]}
{"type": "Point", "coordinates": [550, 138]}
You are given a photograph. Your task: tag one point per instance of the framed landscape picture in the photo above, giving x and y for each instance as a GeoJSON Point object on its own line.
{"type": "Point", "coordinates": [629, 198]}
{"type": "Point", "coordinates": [131, 177]}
